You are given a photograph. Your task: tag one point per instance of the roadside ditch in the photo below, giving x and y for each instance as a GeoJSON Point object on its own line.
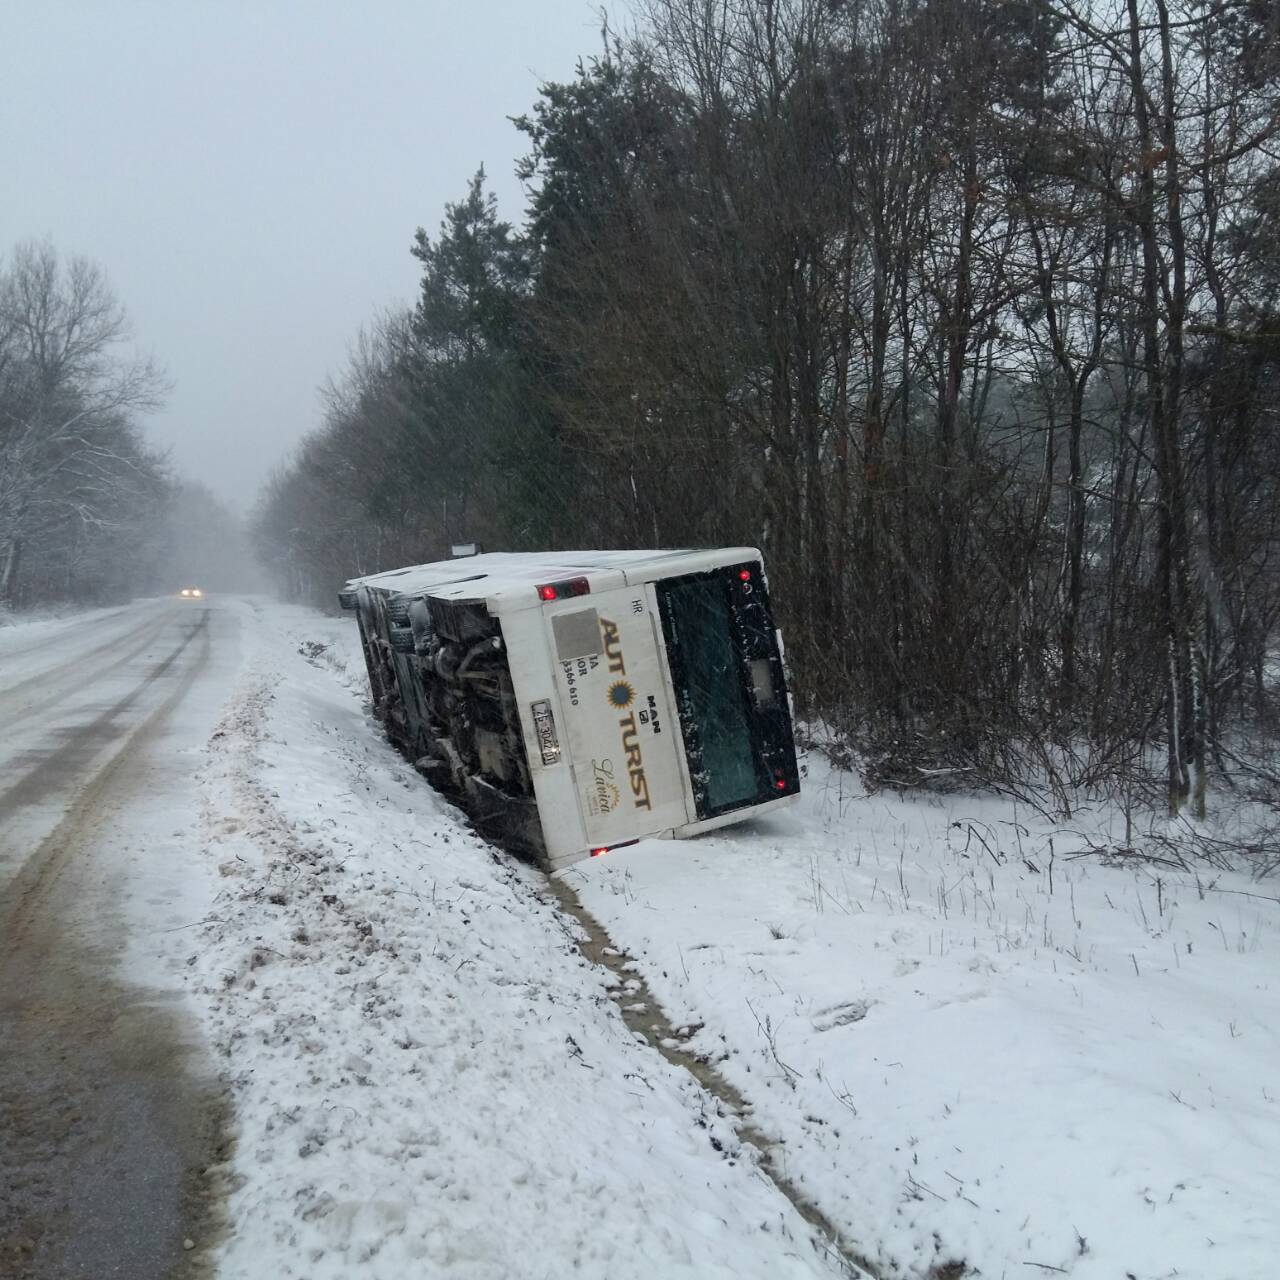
{"type": "Point", "coordinates": [645, 1017]}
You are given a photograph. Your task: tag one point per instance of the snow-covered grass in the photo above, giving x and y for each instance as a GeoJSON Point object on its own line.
{"type": "Point", "coordinates": [968, 1044]}
{"type": "Point", "coordinates": [428, 1080]}
{"type": "Point", "coordinates": [973, 1044]}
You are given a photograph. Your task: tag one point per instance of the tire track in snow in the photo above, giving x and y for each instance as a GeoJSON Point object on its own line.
{"type": "Point", "coordinates": [81, 654]}
{"type": "Point", "coordinates": [22, 651]}
{"type": "Point", "coordinates": [43, 690]}
{"type": "Point", "coordinates": [648, 1020]}
{"type": "Point", "coordinates": [86, 740]}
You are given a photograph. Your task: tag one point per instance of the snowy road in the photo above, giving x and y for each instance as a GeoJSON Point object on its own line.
{"type": "Point", "coordinates": [105, 1122]}
{"type": "Point", "coordinates": [73, 703]}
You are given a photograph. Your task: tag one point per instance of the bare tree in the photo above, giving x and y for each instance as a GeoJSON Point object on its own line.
{"type": "Point", "coordinates": [67, 389]}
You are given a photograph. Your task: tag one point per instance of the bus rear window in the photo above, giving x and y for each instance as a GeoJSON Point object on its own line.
{"type": "Point", "coordinates": [730, 694]}
{"type": "Point", "coordinates": [709, 694]}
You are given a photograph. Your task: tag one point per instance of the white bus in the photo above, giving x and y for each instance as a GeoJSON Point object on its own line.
{"type": "Point", "coordinates": [574, 702]}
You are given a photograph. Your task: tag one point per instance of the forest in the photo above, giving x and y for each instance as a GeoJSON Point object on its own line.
{"type": "Point", "coordinates": [967, 312]}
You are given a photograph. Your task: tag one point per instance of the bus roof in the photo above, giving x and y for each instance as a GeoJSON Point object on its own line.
{"type": "Point", "coordinates": [494, 573]}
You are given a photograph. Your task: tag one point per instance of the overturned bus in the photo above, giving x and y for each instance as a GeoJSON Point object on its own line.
{"type": "Point", "coordinates": [574, 702]}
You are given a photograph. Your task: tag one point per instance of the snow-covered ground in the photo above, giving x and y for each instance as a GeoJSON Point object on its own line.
{"type": "Point", "coordinates": [966, 1044]}
{"type": "Point", "coordinates": [973, 1045]}
{"type": "Point", "coordinates": [428, 1079]}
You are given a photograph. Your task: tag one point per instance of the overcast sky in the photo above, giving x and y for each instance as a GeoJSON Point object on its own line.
{"type": "Point", "coordinates": [250, 174]}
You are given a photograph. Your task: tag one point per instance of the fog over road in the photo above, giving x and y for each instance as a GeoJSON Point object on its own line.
{"type": "Point", "coordinates": [107, 1113]}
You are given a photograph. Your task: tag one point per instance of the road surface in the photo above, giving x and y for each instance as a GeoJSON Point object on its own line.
{"type": "Point", "coordinates": [108, 1113]}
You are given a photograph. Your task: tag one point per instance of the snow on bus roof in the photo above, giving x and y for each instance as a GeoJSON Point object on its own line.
{"type": "Point", "coordinates": [500, 571]}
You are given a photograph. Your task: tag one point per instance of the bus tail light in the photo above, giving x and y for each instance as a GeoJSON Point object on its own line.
{"type": "Point", "coordinates": [549, 591]}
{"type": "Point", "coordinates": [609, 848]}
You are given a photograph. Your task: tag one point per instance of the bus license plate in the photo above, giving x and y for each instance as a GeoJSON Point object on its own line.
{"type": "Point", "coordinates": [544, 726]}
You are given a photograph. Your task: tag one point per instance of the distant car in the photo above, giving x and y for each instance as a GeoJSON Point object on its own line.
{"type": "Point", "coordinates": [191, 593]}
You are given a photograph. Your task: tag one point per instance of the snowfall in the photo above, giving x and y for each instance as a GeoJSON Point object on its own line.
{"type": "Point", "coordinates": [957, 1035]}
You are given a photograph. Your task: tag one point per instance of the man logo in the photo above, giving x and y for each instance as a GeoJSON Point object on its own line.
{"type": "Point", "coordinates": [621, 695]}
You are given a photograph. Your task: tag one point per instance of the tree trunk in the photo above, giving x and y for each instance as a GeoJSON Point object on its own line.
{"type": "Point", "coordinates": [9, 574]}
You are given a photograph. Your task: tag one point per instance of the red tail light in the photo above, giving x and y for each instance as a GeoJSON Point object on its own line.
{"type": "Point", "coordinates": [564, 590]}
{"type": "Point", "coordinates": [606, 848]}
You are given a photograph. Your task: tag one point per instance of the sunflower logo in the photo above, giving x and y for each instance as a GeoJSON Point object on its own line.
{"type": "Point", "coordinates": [621, 695]}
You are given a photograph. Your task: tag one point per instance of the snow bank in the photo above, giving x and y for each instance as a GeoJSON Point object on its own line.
{"type": "Point", "coordinates": [971, 1045]}
{"type": "Point", "coordinates": [427, 1077]}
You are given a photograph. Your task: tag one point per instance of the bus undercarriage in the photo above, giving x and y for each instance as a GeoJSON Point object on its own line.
{"type": "Point", "coordinates": [444, 692]}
